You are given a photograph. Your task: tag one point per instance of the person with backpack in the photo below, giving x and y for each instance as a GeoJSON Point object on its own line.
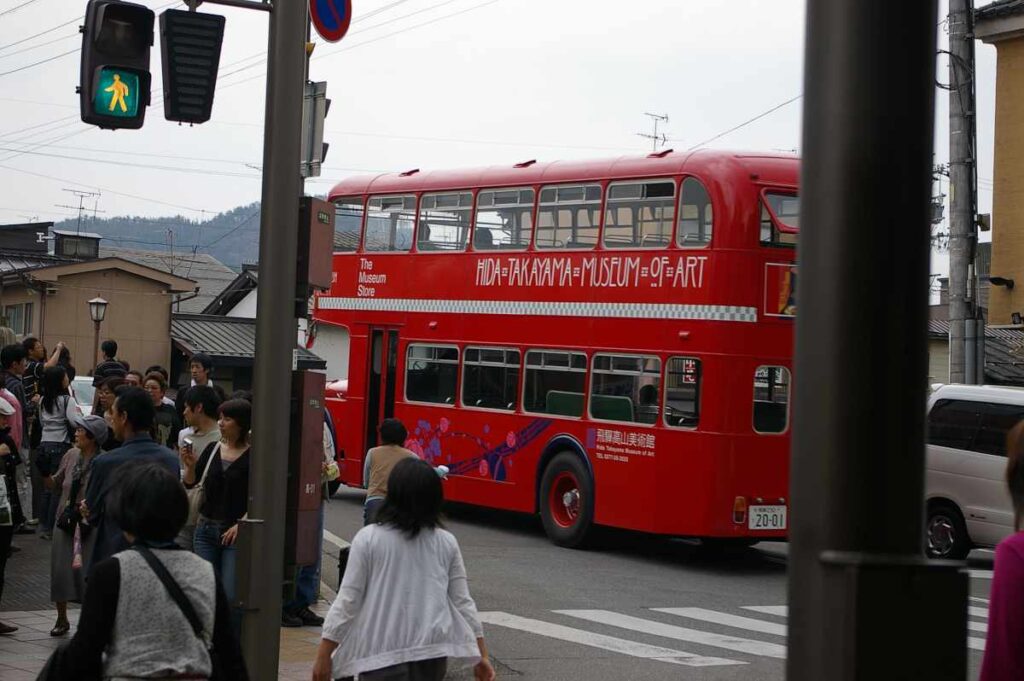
{"type": "Point", "coordinates": [56, 411]}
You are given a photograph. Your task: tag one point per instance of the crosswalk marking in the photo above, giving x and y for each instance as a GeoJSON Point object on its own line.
{"type": "Point", "coordinates": [780, 610]}
{"type": "Point", "coordinates": [975, 611]}
{"type": "Point", "coordinates": [979, 600]}
{"type": "Point", "coordinates": [726, 619]}
{"type": "Point", "coordinates": [594, 640]}
{"type": "Point", "coordinates": [644, 626]}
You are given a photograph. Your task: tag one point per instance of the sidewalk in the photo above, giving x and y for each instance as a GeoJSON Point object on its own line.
{"type": "Point", "coordinates": [26, 605]}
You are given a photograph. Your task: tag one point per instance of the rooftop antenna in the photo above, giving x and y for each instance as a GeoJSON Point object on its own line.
{"type": "Point", "coordinates": [82, 196]}
{"type": "Point", "coordinates": [655, 138]}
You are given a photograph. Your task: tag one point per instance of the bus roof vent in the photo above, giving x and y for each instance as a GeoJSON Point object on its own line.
{"type": "Point", "coordinates": [409, 173]}
{"type": "Point", "coordinates": [660, 154]}
{"type": "Point", "coordinates": [525, 164]}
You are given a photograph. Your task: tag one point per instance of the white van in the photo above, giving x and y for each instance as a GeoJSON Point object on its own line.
{"type": "Point", "coordinates": [966, 498]}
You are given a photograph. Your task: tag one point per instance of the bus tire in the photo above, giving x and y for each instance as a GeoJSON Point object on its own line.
{"type": "Point", "coordinates": [567, 501]}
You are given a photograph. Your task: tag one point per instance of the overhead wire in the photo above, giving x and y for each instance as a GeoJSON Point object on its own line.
{"type": "Point", "coordinates": [745, 123]}
{"type": "Point", "coordinates": [17, 7]}
{"type": "Point", "coordinates": [36, 35]}
{"type": "Point", "coordinates": [36, 47]}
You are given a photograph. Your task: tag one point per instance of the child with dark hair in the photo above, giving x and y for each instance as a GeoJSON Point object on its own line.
{"type": "Point", "coordinates": [379, 462]}
{"type": "Point", "coordinates": [404, 607]}
{"type": "Point", "coordinates": [130, 625]}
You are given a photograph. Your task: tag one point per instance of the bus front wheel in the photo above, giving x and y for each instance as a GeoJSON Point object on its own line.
{"type": "Point", "coordinates": [567, 501]}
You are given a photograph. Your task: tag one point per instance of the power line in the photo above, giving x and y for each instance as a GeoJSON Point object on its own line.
{"type": "Point", "coordinates": [16, 7]}
{"type": "Point", "coordinates": [232, 230]}
{"type": "Point", "coordinates": [42, 61]}
{"type": "Point", "coordinates": [36, 35]}
{"type": "Point", "coordinates": [745, 123]}
{"type": "Point", "coordinates": [36, 47]}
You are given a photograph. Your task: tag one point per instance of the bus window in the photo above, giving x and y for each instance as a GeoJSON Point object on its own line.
{"type": "Point", "coordinates": [389, 223]}
{"type": "Point", "coordinates": [554, 382]}
{"type": "Point", "coordinates": [569, 216]}
{"type": "Point", "coordinates": [348, 223]}
{"type": "Point", "coordinates": [682, 392]}
{"type": "Point", "coordinates": [430, 373]}
{"type": "Point", "coordinates": [625, 388]}
{"type": "Point", "coordinates": [771, 399]}
{"type": "Point", "coordinates": [696, 216]}
{"type": "Point", "coordinates": [786, 210]}
{"type": "Point", "coordinates": [444, 222]}
{"type": "Point", "coordinates": [640, 214]}
{"type": "Point", "coordinates": [504, 220]}
{"type": "Point", "coordinates": [490, 378]}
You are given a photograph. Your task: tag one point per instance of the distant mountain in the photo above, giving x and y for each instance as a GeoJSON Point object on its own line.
{"type": "Point", "coordinates": [231, 237]}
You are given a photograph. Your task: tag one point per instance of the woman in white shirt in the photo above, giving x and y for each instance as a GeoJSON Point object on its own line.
{"type": "Point", "coordinates": [404, 606]}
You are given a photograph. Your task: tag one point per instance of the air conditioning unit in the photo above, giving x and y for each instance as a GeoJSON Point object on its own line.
{"type": "Point", "coordinates": [51, 290]}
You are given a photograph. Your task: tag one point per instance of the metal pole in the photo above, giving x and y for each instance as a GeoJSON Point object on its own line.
{"type": "Point", "coordinates": [864, 603]}
{"type": "Point", "coordinates": [96, 345]}
{"type": "Point", "coordinates": [262, 543]}
{"type": "Point", "coordinates": [961, 173]}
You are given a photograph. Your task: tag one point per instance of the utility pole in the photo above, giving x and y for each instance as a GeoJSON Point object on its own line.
{"type": "Point", "coordinates": [655, 138]}
{"type": "Point", "coordinates": [963, 301]}
{"type": "Point", "coordinates": [262, 551]}
{"type": "Point", "coordinates": [864, 602]}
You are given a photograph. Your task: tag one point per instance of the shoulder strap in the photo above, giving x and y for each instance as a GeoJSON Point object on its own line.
{"type": "Point", "coordinates": [213, 451]}
{"type": "Point", "coordinates": [173, 590]}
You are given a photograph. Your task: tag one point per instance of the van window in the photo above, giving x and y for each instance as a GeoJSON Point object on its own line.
{"type": "Point", "coordinates": [953, 423]}
{"type": "Point", "coordinates": [996, 422]}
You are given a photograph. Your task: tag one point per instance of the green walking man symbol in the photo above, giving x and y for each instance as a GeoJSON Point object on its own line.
{"type": "Point", "coordinates": [118, 92]}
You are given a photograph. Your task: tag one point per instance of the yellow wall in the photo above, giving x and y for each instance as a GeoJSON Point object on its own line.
{"type": "Point", "coordinates": [1008, 196]}
{"type": "Point", "coordinates": [138, 318]}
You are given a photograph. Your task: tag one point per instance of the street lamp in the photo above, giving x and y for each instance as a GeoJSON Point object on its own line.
{"type": "Point", "coordinates": [97, 310]}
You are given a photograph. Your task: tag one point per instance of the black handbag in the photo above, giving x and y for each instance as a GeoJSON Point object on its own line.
{"type": "Point", "coordinates": [69, 515]}
{"type": "Point", "coordinates": [179, 597]}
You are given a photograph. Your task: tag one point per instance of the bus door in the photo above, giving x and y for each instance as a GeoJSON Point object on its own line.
{"type": "Point", "coordinates": [380, 384]}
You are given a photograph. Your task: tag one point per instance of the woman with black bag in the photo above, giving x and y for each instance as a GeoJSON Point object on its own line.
{"type": "Point", "coordinates": [153, 611]}
{"type": "Point", "coordinates": [56, 409]}
{"type": "Point", "coordinates": [67, 581]}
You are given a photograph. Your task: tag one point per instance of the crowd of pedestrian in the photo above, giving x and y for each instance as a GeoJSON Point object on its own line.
{"type": "Point", "coordinates": [141, 497]}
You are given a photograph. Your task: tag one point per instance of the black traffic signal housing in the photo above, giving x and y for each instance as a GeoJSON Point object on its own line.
{"type": "Point", "coordinates": [115, 79]}
{"type": "Point", "coordinates": [190, 44]}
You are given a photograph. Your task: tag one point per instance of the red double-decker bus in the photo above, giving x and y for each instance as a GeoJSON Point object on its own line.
{"type": "Point", "coordinates": [604, 343]}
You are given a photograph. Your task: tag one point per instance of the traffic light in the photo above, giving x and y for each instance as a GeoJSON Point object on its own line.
{"type": "Point", "coordinates": [115, 78]}
{"type": "Point", "coordinates": [190, 45]}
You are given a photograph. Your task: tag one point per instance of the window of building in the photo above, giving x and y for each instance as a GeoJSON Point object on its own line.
{"type": "Point", "coordinates": [348, 223]}
{"type": "Point", "coordinates": [389, 223]}
{"type": "Point", "coordinates": [771, 399]}
{"type": "Point", "coordinates": [569, 216]}
{"type": "Point", "coordinates": [444, 221]}
{"type": "Point", "coordinates": [490, 378]}
{"type": "Point", "coordinates": [682, 392]}
{"type": "Point", "coordinates": [780, 219]}
{"type": "Point", "coordinates": [19, 318]}
{"type": "Point", "coordinates": [696, 217]}
{"type": "Point", "coordinates": [79, 247]}
{"type": "Point", "coordinates": [640, 214]}
{"type": "Point", "coordinates": [625, 388]}
{"type": "Point", "coordinates": [504, 220]}
{"type": "Point", "coordinates": [431, 372]}
{"type": "Point", "coordinates": [554, 382]}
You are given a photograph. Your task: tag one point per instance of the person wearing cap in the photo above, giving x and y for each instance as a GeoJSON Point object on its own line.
{"type": "Point", "coordinates": [10, 508]}
{"type": "Point", "coordinates": [71, 478]}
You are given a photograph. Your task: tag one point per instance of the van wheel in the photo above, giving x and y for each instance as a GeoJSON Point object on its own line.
{"type": "Point", "coordinates": [567, 501]}
{"type": "Point", "coordinates": [945, 533]}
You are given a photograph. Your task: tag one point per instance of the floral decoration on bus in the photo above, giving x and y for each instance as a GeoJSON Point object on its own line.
{"type": "Point", "coordinates": [469, 454]}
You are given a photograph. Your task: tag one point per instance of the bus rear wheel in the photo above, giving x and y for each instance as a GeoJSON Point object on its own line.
{"type": "Point", "coordinates": [567, 501]}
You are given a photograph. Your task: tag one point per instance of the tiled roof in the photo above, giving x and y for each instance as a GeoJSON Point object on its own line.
{"type": "Point", "coordinates": [1004, 352]}
{"type": "Point", "coordinates": [16, 261]}
{"type": "Point", "coordinates": [225, 338]}
{"type": "Point", "coordinates": [1000, 8]}
{"type": "Point", "coordinates": [209, 273]}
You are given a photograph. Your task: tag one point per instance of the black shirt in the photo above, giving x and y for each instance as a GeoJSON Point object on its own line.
{"type": "Point", "coordinates": [108, 368]}
{"type": "Point", "coordinates": [83, 657]}
{"type": "Point", "coordinates": [30, 381]}
{"type": "Point", "coordinates": [225, 492]}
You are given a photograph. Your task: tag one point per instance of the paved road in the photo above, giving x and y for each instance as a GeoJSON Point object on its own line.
{"type": "Point", "coordinates": [639, 608]}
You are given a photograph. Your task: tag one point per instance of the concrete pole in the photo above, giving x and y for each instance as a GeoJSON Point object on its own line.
{"type": "Point", "coordinates": [262, 543]}
{"type": "Point", "coordinates": [961, 173]}
{"type": "Point", "coordinates": [864, 602]}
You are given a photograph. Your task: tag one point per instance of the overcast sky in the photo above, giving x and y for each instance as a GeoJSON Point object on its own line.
{"type": "Point", "coordinates": [423, 84]}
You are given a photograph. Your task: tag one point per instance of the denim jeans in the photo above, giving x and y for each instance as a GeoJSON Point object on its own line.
{"type": "Point", "coordinates": [307, 583]}
{"type": "Point", "coordinates": [208, 545]}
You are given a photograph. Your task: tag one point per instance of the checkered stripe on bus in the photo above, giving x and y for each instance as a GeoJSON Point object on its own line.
{"type": "Point", "coordinates": [727, 313]}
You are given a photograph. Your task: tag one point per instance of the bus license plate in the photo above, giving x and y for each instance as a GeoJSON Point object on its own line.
{"type": "Point", "coordinates": [766, 518]}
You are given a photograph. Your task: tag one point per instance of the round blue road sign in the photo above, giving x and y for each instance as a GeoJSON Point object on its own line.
{"type": "Point", "coordinates": [331, 18]}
